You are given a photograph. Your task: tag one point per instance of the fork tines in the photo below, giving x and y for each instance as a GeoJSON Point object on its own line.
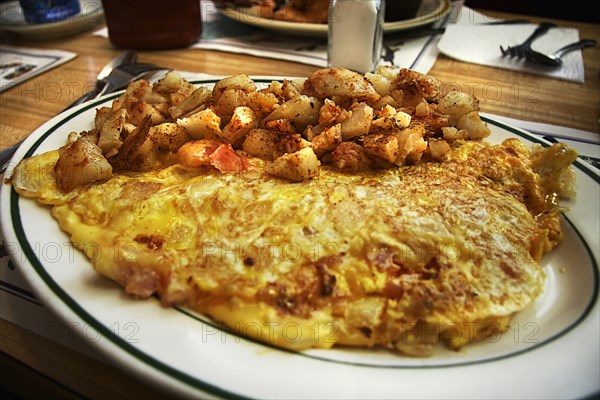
{"type": "Point", "coordinates": [516, 51]}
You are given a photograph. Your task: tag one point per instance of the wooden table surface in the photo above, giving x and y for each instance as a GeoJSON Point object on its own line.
{"type": "Point", "coordinates": [512, 94]}
{"type": "Point", "coordinates": [36, 363]}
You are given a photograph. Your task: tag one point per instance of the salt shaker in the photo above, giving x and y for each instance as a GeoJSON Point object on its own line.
{"type": "Point", "coordinates": [355, 34]}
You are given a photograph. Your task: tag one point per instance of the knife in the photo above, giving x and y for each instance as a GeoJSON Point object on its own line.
{"type": "Point", "coordinates": [125, 57]}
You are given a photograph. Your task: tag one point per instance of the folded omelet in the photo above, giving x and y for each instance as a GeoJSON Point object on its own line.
{"type": "Point", "coordinates": [401, 258]}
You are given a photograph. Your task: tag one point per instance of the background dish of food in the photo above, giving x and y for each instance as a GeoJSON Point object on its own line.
{"type": "Point", "coordinates": [12, 20]}
{"type": "Point", "coordinates": [429, 12]}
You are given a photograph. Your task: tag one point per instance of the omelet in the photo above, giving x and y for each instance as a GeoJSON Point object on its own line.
{"type": "Point", "coordinates": [400, 258]}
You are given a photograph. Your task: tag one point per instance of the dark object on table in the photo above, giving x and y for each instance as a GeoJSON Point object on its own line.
{"type": "Point", "coordinates": [398, 10]}
{"type": "Point", "coordinates": [576, 10]}
{"type": "Point", "coordinates": [246, 3]}
{"type": "Point", "coordinates": [153, 24]}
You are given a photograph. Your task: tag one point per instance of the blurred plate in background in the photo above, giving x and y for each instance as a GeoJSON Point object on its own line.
{"type": "Point", "coordinates": [429, 12]}
{"type": "Point", "coordinates": [12, 20]}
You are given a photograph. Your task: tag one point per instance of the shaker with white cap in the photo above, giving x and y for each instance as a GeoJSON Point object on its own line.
{"type": "Point", "coordinates": [355, 34]}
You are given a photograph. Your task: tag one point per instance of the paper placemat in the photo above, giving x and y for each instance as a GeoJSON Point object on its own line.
{"type": "Point", "coordinates": [18, 64]}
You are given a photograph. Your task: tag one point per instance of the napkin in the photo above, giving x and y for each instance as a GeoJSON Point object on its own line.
{"type": "Point", "coordinates": [480, 44]}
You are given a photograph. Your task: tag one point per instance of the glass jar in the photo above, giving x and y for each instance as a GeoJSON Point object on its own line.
{"type": "Point", "coordinates": [153, 24]}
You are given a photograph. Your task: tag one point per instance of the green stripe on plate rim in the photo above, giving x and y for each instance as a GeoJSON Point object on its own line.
{"type": "Point", "coordinates": [199, 384]}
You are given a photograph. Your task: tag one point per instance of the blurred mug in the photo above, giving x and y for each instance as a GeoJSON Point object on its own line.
{"type": "Point", "coordinates": [45, 11]}
{"type": "Point", "coordinates": [153, 24]}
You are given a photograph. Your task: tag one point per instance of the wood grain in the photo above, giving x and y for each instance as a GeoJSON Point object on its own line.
{"type": "Point", "coordinates": [31, 362]}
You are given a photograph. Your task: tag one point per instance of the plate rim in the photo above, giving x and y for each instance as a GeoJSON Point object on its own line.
{"type": "Point", "coordinates": [178, 377]}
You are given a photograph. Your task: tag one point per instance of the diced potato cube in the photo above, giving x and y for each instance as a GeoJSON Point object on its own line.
{"type": "Point", "coordinates": [204, 124]}
{"type": "Point", "coordinates": [456, 104]}
{"type": "Point", "coordinates": [438, 149]}
{"type": "Point", "coordinates": [332, 82]}
{"type": "Point", "coordinates": [289, 90]}
{"type": "Point", "coordinates": [388, 118]}
{"type": "Point", "coordinates": [168, 136]}
{"type": "Point", "coordinates": [382, 145]}
{"type": "Point", "coordinates": [382, 85]}
{"type": "Point", "coordinates": [262, 103]}
{"type": "Point", "coordinates": [137, 111]}
{"type": "Point", "coordinates": [359, 122]}
{"type": "Point", "coordinates": [170, 83]}
{"type": "Point", "coordinates": [411, 144]}
{"type": "Point", "coordinates": [109, 134]}
{"type": "Point", "coordinates": [291, 144]}
{"type": "Point", "coordinates": [327, 140]}
{"type": "Point", "coordinates": [388, 72]}
{"type": "Point", "coordinates": [194, 100]}
{"type": "Point", "coordinates": [451, 133]}
{"type": "Point", "coordinates": [236, 82]}
{"type": "Point", "coordinates": [261, 143]}
{"type": "Point", "coordinates": [422, 109]}
{"type": "Point", "coordinates": [301, 111]}
{"type": "Point", "coordinates": [229, 100]}
{"type": "Point", "coordinates": [473, 124]}
{"type": "Point", "coordinates": [296, 167]}
{"type": "Point", "coordinates": [330, 113]}
{"type": "Point", "coordinates": [242, 121]}
{"type": "Point", "coordinates": [79, 163]}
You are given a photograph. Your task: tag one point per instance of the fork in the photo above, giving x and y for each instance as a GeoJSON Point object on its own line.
{"type": "Point", "coordinates": [124, 74]}
{"type": "Point", "coordinates": [521, 50]}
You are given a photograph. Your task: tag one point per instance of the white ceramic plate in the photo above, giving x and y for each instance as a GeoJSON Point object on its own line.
{"type": "Point", "coordinates": [550, 350]}
{"type": "Point", "coordinates": [12, 20]}
{"type": "Point", "coordinates": [430, 11]}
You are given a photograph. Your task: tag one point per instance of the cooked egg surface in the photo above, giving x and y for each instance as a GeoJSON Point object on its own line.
{"type": "Point", "coordinates": [394, 258]}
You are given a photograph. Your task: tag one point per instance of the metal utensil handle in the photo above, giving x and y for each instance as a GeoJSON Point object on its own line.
{"type": "Point", "coordinates": [125, 57]}
{"type": "Point", "coordinates": [539, 31]}
{"type": "Point", "coordinates": [582, 44]}
{"type": "Point", "coordinates": [6, 155]}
